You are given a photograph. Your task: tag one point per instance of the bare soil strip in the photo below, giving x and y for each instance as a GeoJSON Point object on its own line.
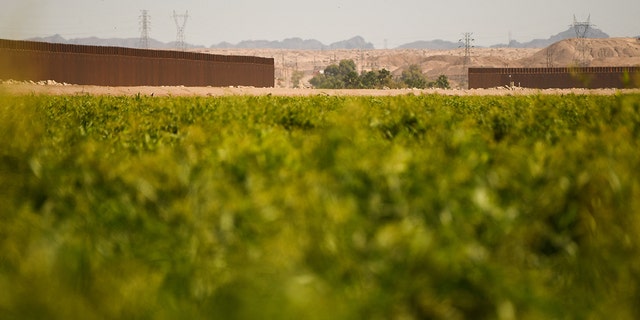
{"type": "Point", "coordinates": [66, 89]}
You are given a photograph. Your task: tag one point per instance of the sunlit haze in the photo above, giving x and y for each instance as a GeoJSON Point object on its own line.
{"type": "Point", "coordinates": [383, 23]}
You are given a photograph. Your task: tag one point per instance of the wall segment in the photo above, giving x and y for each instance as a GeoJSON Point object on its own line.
{"type": "Point", "coordinates": [561, 78]}
{"type": "Point", "coordinates": [116, 66]}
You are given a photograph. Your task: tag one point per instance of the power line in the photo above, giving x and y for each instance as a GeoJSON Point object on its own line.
{"type": "Point", "coordinates": [549, 52]}
{"type": "Point", "coordinates": [181, 23]}
{"type": "Point", "coordinates": [145, 26]}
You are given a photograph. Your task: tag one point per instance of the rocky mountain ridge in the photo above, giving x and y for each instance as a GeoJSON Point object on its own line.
{"type": "Point", "coordinates": [356, 42]}
{"type": "Point", "coordinates": [535, 43]}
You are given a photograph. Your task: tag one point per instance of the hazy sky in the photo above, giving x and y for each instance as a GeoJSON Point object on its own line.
{"type": "Point", "coordinates": [397, 22]}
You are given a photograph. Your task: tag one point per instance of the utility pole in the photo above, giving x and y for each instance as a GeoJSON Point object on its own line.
{"type": "Point", "coordinates": [181, 23]}
{"type": "Point", "coordinates": [582, 29]}
{"type": "Point", "coordinates": [284, 72]}
{"type": "Point", "coordinates": [145, 26]}
{"type": "Point", "coordinates": [549, 54]}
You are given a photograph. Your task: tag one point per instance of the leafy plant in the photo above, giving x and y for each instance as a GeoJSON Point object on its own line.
{"type": "Point", "coordinates": [320, 207]}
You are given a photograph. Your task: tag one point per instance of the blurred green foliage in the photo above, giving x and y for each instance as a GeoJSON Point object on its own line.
{"type": "Point", "coordinates": [408, 207]}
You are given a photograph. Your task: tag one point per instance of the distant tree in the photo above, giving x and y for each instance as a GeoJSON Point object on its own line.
{"type": "Point", "coordinates": [321, 81]}
{"type": "Point", "coordinates": [377, 79]}
{"type": "Point", "coordinates": [369, 79]}
{"type": "Point", "coordinates": [340, 76]}
{"type": "Point", "coordinates": [385, 79]}
{"type": "Point", "coordinates": [345, 76]}
{"type": "Point", "coordinates": [442, 82]}
{"type": "Point", "coordinates": [413, 77]}
{"type": "Point", "coordinates": [348, 74]}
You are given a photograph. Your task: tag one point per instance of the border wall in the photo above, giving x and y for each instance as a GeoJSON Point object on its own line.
{"type": "Point", "coordinates": [560, 78]}
{"type": "Point", "coordinates": [116, 66]}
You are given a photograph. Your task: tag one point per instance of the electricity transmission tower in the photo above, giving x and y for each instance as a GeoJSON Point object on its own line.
{"type": "Point", "coordinates": [145, 26]}
{"type": "Point", "coordinates": [582, 30]}
{"type": "Point", "coordinates": [181, 23]}
{"type": "Point", "coordinates": [466, 43]}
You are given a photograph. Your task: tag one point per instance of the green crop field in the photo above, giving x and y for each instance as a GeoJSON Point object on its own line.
{"type": "Point", "coordinates": [407, 207]}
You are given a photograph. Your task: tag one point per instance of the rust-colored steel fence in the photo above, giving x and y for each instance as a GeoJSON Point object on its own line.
{"type": "Point", "coordinates": [561, 78]}
{"type": "Point", "coordinates": [116, 66]}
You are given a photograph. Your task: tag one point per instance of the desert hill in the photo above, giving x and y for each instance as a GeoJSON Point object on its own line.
{"type": "Point", "coordinates": [599, 52]}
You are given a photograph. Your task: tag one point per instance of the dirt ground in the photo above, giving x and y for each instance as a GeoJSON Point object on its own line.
{"type": "Point", "coordinates": [26, 88]}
